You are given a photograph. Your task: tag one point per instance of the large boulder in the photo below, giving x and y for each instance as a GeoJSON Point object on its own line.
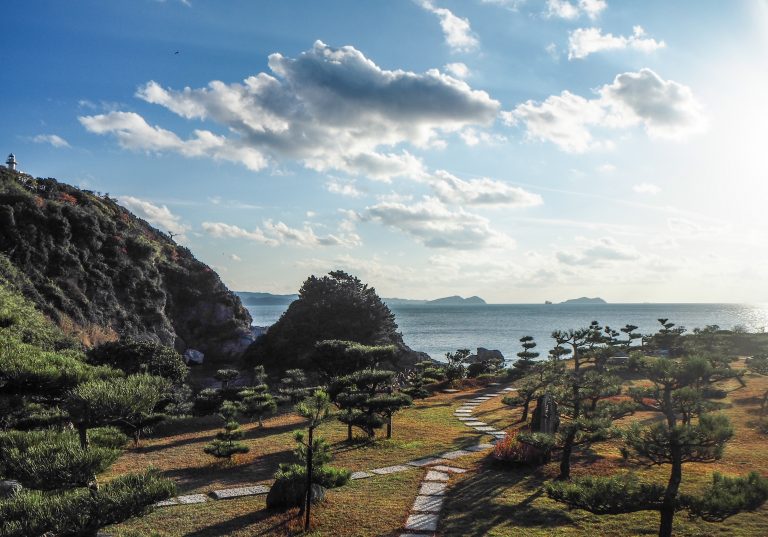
{"type": "Point", "coordinates": [193, 357]}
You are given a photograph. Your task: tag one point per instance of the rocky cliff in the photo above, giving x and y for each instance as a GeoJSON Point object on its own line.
{"type": "Point", "coordinates": [100, 272]}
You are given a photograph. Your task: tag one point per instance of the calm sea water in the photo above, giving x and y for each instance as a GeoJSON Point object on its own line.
{"type": "Point", "coordinates": [439, 329]}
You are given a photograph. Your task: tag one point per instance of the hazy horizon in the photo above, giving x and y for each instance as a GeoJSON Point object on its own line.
{"type": "Point", "coordinates": [530, 150]}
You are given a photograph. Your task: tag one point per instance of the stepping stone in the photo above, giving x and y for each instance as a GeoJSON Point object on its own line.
{"type": "Point", "coordinates": [167, 503]}
{"type": "Point", "coordinates": [240, 491]}
{"type": "Point", "coordinates": [449, 469]}
{"type": "Point", "coordinates": [510, 389]}
{"type": "Point", "coordinates": [430, 488]}
{"type": "Point", "coordinates": [426, 462]}
{"type": "Point", "coordinates": [427, 504]}
{"type": "Point", "coordinates": [417, 535]}
{"type": "Point", "coordinates": [450, 390]}
{"type": "Point", "coordinates": [480, 447]}
{"type": "Point", "coordinates": [464, 409]}
{"type": "Point", "coordinates": [494, 384]}
{"type": "Point", "coordinates": [466, 418]}
{"type": "Point", "coordinates": [455, 454]}
{"type": "Point", "coordinates": [192, 498]}
{"type": "Point", "coordinates": [486, 429]}
{"type": "Point", "coordinates": [390, 469]}
{"type": "Point", "coordinates": [461, 411]}
{"type": "Point", "coordinates": [499, 434]}
{"type": "Point", "coordinates": [435, 475]}
{"type": "Point", "coordinates": [361, 475]}
{"type": "Point", "coordinates": [474, 423]}
{"type": "Point", "coordinates": [422, 522]}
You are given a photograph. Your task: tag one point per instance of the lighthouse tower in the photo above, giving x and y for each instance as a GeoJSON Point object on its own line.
{"type": "Point", "coordinates": [11, 162]}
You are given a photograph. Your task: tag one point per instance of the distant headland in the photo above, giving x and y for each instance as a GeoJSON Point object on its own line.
{"type": "Point", "coordinates": [269, 299]}
{"type": "Point", "coordinates": [585, 300]}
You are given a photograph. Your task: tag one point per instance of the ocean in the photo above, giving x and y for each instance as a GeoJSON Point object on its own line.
{"type": "Point", "coordinates": [440, 329]}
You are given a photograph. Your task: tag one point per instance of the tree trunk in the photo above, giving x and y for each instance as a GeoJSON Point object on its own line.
{"type": "Point", "coordinates": [82, 432]}
{"type": "Point", "coordinates": [525, 410]}
{"type": "Point", "coordinates": [565, 461]}
{"type": "Point", "coordinates": [260, 422]}
{"type": "Point", "coordinates": [389, 426]}
{"type": "Point", "coordinates": [670, 495]}
{"type": "Point", "coordinates": [349, 432]}
{"type": "Point", "coordinates": [309, 480]}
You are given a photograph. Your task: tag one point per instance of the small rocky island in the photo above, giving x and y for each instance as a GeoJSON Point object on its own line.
{"type": "Point", "coordinates": [585, 300]}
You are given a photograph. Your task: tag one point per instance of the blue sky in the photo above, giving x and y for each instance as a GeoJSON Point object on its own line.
{"type": "Point", "coordinates": [517, 150]}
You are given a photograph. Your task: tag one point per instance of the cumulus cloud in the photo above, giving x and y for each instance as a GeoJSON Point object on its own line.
{"type": "Point", "coordinates": [564, 9]}
{"type": "Point", "coordinates": [665, 108]}
{"type": "Point", "coordinates": [54, 139]}
{"type": "Point", "coordinates": [159, 216]}
{"type": "Point", "coordinates": [597, 252]}
{"type": "Point", "coordinates": [457, 31]}
{"type": "Point", "coordinates": [457, 69]}
{"type": "Point", "coordinates": [436, 225]}
{"type": "Point", "coordinates": [481, 192]}
{"type": "Point", "coordinates": [343, 188]}
{"type": "Point", "coordinates": [278, 233]}
{"type": "Point", "coordinates": [646, 188]}
{"type": "Point", "coordinates": [330, 109]}
{"type": "Point", "coordinates": [584, 41]}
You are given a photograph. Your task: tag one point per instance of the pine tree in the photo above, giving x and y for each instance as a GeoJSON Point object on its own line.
{"type": "Point", "coordinates": [226, 442]}
{"type": "Point", "coordinates": [257, 402]}
{"type": "Point", "coordinates": [686, 434]}
{"type": "Point", "coordinates": [758, 365]}
{"type": "Point", "coordinates": [454, 367]}
{"type": "Point", "coordinates": [315, 409]}
{"type": "Point", "coordinates": [527, 357]}
{"type": "Point", "coordinates": [293, 386]}
{"type": "Point", "coordinates": [539, 377]}
{"type": "Point", "coordinates": [225, 376]}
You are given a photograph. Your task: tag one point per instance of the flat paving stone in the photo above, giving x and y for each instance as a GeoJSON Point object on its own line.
{"type": "Point", "coordinates": [449, 469]}
{"type": "Point", "coordinates": [466, 418]}
{"type": "Point", "coordinates": [510, 389]}
{"type": "Point", "coordinates": [436, 475]}
{"type": "Point", "coordinates": [192, 498]}
{"type": "Point", "coordinates": [450, 390]}
{"type": "Point", "coordinates": [480, 447]}
{"type": "Point", "coordinates": [361, 475]}
{"type": "Point", "coordinates": [430, 488]}
{"type": "Point", "coordinates": [427, 504]}
{"type": "Point", "coordinates": [391, 469]}
{"type": "Point", "coordinates": [167, 503]}
{"type": "Point", "coordinates": [499, 434]}
{"type": "Point", "coordinates": [494, 384]}
{"type": "Point", "coordinates": [417, 535]}
{"type": "Point", "coordinates": [475, 423]}
{"type": "Point", "coordinates": [239, 491]}
{"type": "Point", "coordinates": [486, 429]}
{"type": "Point", "coordinates": [455, 454]}
{"type": "Point", "coordinates": [422, 522]}
{"type": "Point", "coordinates": [426, 462]}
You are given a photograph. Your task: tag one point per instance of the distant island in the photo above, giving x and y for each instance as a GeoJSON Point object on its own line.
{"type": "Point", "coordinates": [445, 301]}
{"type": "Point", "coordinates": [265, 299]}
{"type": "Point", "coordinates": [585, 300]}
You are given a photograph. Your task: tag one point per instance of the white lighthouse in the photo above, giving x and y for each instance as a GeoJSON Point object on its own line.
{"type": "Point", "coordinates": [11, 162]}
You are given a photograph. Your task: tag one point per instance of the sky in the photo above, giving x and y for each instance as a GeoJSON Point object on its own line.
{"type": "Point", "coordinates": [519, 150]}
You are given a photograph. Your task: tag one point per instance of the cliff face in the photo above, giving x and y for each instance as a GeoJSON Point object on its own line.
{"type": "Point", "coordinates": [99, 271]}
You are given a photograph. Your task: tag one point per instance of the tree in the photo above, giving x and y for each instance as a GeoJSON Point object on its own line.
{"type": "Point", "coordinates": [673, 442]}
{"type": "Point", "coordinates": [337, 306]}
{"type": "Point", "coordinates": [758, 365]}
{"type": "Point", "coordinates": [315, 409]}
{"type": "Point", "coordinates": [367, 400]}
{"type": "Point", "coordinates": [226, 442]}
{"type": "Point", "coordinates": [532, 385]}
{"type": "Point", "coordinates": [140, 356]}
{"type": "Point", "coordinates": [225, 376]}
{"type": "Point", "coordinates": [130, 403]}
{"type": "Point", "coordinates": [333, 358]}
{"type": "Point", "coordinates": [293, 386]}
{"type": "Point", "coordinates": [455, 368]}
{"type": "Point", "coordinates": [631, 331]}
{"type": "Point", "coordinates": [257, 401]}
{"type": "Point", "coordinates": [527, 357]}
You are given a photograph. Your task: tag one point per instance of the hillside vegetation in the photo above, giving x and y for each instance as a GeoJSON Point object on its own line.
{"type": "Point", "coordinates": [99, 271]}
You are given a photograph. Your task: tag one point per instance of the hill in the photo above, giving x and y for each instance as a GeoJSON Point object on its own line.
{"type": "Point", "coordinates": [454, 300]}
{"type": "Point", "coordinates": [98, 271]}
{"type": "Point", "coordinates": [585, 300]}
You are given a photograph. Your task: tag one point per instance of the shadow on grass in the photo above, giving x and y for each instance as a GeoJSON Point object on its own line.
{"type": "Point", "coordinates": [483, 501]}
{"type": "Point", "coordinates": [281, 526]}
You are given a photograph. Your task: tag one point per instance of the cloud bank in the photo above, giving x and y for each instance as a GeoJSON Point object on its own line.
{"type": "Point", "coordinates": [585, 41]}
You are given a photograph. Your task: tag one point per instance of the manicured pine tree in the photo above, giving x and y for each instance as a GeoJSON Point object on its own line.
{"type": "Point", "coordinates": [415, 382]}
{"type": "Point", "coordinates": [758, 365]}
{"type": "Point", "coordinates": [257, 402]}
{"type": "Point", "coordinates": [539, 377]}
{"type": "Point", "coordinates": [225, 376]}
{"type": "Point", "coordinates": [315, 408]}
{"type": "Point", "coordinates": [226, 442]}
{"type": "Point", "coordinates": [672, 442]}
{"type": "Point", "coordinates": [293, 386]}
{"type": "Point", "coordinates": [631, 332]}
{"type": "Point", "coordinates": [527, 357]}
{"type": "Point", "coordinates": [455, 368]}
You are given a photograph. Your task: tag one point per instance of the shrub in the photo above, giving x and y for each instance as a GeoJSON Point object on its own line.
{"type": "Point", "coordinates": [533, 451]}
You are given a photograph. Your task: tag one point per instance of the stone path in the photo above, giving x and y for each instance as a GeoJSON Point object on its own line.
{"type": "Point", "coordinates": [425, 513]}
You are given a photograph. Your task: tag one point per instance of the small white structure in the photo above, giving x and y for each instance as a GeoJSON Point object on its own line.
{"type": "Point", "coordinates": [11, 162]}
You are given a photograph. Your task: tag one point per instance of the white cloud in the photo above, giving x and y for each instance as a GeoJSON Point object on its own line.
{"type": "Point", "coordinates": [436, 225]}
{"type": "Point", "coordinates": [473, 137]}
{"type": "Point", "coordinates": [552, 51]}
{"type": "Point", "coordinates": [343, 188]}
{"type": "Point", "coordinates": [584, 41]}
{"type": "Point", "coordinates": [666, 109]}
{"type": "Point", "coordinates": [159, 216]}
{"type": "Point", "coordinates": [457, 31]}
{"type": "Point", "coordinates": [481, 192]}
{"type": "Point", "coordinates": [597, 252]}
{"type": "Point", "coordinates": [606, 168]}
{"type": "Point", "coordinates": [235, 257]}
{"type": "Point", "coordinates": [564, 9]}
{"type": "Point", "coordinates": [330, 109]}
{"type": "Point", "coordinates": [277, 233]}
{"type": "Point", "coordinates": [457, 69]}
{"type": "Point", "coordinates": [54, 139]}
{"type": "Point", "coordinates": [646, 188]}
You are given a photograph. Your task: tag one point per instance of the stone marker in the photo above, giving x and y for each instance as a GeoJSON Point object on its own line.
{"type": "Point", "coordinates": [238, 492]}
{"type": "Point", "coordinates": [436, 475]}
{"type": "Point", "coordinates": [449, 469]}
{"type": "Point", "coordinates": [429, 488]}
{"type": "Point", "coordinates": [427, 504]}
{"type": "Point", "coordinates": [390, 469]}
{"type": "Point", "coordinates": [361, 475]}
{"type": "Point", "coordinates": [546, 418]}
{"type": "Point", "coordinates": [422, 522]}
